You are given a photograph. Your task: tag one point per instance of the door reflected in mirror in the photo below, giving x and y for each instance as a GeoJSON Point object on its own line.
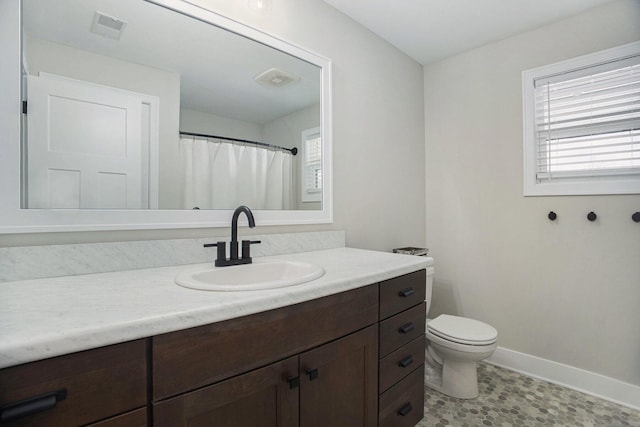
{"type": "Point", "coordinates": [134, 106]}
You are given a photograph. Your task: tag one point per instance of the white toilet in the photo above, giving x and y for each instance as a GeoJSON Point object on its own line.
{"type": "Point", "coordinates": [454, 345]}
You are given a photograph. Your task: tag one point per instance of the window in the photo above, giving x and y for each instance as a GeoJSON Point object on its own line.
{"type": "Point", "coordinates": [582, 125]}
{"type": "Point", "coordinates": [311, 165]}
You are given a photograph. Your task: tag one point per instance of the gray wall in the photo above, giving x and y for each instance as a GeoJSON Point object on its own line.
{"type": "Point", "coordinates": [378, 132]}
{"type": "Point", "coordinates": [568, 290]}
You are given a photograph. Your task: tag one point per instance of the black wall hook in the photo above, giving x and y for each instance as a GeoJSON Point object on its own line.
{"type": "Point", "coordinates": [552, 216]}
{"type": "Point", "coordinates": [636, 217]}
{"type": "Point", "coordinates": [591, 216]}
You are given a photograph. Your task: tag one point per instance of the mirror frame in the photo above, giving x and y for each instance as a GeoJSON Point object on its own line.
{"type": "Point", "coordinates": [14, 219]}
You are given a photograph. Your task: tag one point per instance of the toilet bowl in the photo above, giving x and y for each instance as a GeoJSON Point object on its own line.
{"type": "Point", "coordinates": [454, 345]}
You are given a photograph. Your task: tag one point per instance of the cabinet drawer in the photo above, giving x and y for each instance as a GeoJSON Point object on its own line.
{"type": "Point", "coordinates": [402, 292]}
{"type": "Point", "coordinates": [402, 328]}
{"type": "Point", "coordinates": [137, 418]}
{"type": "Point", "coordinates": [401, 362]}
{"type": "Point", "coordinates": [189, 359]}
{"type": "Point", "coordinates": [403, 404]}
{"type": "Point", "coordinates": [99, 383]}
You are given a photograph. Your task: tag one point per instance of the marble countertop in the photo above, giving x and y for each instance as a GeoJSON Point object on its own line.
{"type": "Point", "coordinates": [43, 318]}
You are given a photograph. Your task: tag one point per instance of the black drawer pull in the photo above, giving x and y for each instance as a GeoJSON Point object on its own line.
{"type": "Point", "coordinates": [293, 382]}
{"type": "Point", "coordinates": [406, 292]}
{"type": "Point", "coordinates": [405, 409]}
{"type": "Point", "coordinates": [313, 374]}
{"type": "Point", "coordinates": [405, 362]}
{"type": "Point", "coordinates": [31, 406]}
{"type": "Point", "coordinates": [405, 329]}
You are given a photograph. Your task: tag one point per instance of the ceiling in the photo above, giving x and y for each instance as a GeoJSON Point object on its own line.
{"type": "Point", "coordinates": [430, 30]}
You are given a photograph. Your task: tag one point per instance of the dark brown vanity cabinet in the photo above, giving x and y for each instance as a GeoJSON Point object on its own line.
{"type": "Point", "coordinates": [328, 386]}
{"type": "Point", "coordinates": [350, 359]}
{"type": "Point", "coordinates": [312, 364]}
{"type": "Point", "coordinates": [401, 351]}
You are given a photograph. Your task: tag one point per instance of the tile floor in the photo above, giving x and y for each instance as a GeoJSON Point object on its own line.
{"type": "Point", "coordinates": [510, 399]}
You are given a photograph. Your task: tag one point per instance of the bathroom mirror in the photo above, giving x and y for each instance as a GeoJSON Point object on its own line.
{"type": "Point", "coordinates": [149, 97]}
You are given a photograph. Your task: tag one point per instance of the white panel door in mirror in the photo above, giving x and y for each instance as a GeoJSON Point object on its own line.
{"type": "Point", "coordinates": [85, 145]}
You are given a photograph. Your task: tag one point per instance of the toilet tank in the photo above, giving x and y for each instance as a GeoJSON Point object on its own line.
{"type": "Point", "coordinates": [430, 271]}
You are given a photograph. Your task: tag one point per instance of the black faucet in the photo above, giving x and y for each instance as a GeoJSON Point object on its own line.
{"type": "Point", "coordinates": [221, 259]}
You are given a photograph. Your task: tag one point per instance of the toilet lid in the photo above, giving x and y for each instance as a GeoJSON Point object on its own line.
{"type": "Point", "coordinates": [462, 330]}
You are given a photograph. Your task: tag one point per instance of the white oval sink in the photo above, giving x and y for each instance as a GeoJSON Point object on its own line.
{"type": "Point", "coordinates": [247, 277]}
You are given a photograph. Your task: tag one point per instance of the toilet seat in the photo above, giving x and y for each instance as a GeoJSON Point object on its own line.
{"type": "Point", "coordinates": [462, 330]}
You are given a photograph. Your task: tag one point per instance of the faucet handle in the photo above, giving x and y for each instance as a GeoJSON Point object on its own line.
{"type": "Point", "coordinates": [222, 250]}
{"type": "Point", "coordinates": [246, 245]}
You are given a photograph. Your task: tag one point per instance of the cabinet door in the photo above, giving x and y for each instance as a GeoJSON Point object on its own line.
{"type": "Point", "coordinates": [339, 382]}
{"type": "Point", "coordinates": [260, 398]}
{"type": "Point", "coordinates": [137, 418]}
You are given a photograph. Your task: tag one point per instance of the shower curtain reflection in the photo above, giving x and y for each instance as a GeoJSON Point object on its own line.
{"type": "Point", "coordinates": [218, 174]}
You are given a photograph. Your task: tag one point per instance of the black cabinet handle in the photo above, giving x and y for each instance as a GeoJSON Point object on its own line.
{"type": "Point", "coordinates": [293, 382]}
{"type": "Point", "coordinates": [313, 374]}
{"type": "Point", "coordinates": [31, 406]}
{"type": "Point", "coordinates": [591, 216]}
{"type": "Point", "coordinates": [405, 409]}
{"type": "Point", "coordinates": [636, 217]}
{"type": "Point", "coordinates": [406, 292]}
{"type": "Point", "coordinates": [405, 362]}
{"type": "Point", "coordinates": [405, 329]}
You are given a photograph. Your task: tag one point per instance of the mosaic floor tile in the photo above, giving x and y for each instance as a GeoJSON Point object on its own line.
{"type": "Point", "coordinates": [510, 399]}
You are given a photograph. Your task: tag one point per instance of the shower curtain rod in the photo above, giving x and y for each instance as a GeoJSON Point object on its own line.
{"type": "Point", "coordinates": [293, 150]}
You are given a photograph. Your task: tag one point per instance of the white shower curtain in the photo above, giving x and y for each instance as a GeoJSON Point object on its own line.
{"type": "Point", "coordinates": [222, 175]}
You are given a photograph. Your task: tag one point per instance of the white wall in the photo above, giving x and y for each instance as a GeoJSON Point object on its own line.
{"type": "Point", "coordinates": [569, 290]}
{"type": "Point", "coordinates": [211, 124]}
{"type": "Point", "coordinates": [378, 133]}
{"type": "Point", "coordinates": [287, 132]}
{"type": "Point", "coordinates": [78, 64]}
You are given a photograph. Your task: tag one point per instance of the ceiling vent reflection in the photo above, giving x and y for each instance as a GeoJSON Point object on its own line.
{"type": "Point", "coordinates": [275, 77]}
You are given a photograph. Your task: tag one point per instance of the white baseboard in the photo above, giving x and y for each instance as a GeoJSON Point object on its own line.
{"type": "Point", "coordinates": [567, 376]}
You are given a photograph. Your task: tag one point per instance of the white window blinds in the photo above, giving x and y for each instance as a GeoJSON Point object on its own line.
{"type": "Point", "coordinates": [312, 165]}
{"type": "Point", "coordinates": [587, 122]}
{"type": "Point", "coordinates": [313, 161]}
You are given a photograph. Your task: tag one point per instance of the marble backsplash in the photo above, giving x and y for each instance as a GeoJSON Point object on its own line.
{"type": "Point", "coordinates": [36, 262]}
